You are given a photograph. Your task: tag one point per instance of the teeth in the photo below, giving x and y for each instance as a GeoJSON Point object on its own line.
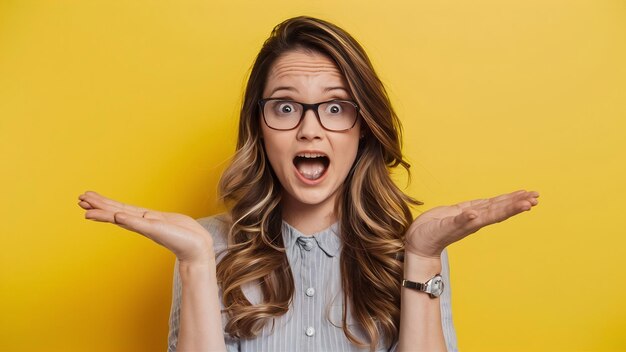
{"type": "Point", "coordinates": [310, 155]}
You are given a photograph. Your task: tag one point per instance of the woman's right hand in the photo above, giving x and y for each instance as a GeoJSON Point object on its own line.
{"type": "Point", "coordinates": [179, 233]}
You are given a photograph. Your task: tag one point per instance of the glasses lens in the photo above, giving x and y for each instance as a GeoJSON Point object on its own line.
{"type": "Point", "coordinates": [337, 115]}
{"type": "Point", "coordinates": [282, 114]}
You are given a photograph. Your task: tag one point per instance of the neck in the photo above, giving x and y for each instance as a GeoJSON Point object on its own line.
{"type": "Point", "coordinates": [309, 218]}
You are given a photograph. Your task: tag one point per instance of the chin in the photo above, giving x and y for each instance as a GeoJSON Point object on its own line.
{"type": "Point", "coordinates": [312, 197]}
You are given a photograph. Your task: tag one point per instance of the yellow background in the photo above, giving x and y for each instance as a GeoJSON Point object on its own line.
{"type": "Point", "coordinates": [138, 100]}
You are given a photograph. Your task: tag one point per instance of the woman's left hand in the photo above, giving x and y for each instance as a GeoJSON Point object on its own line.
{"type": "Point", "coordinates": [439, 227]}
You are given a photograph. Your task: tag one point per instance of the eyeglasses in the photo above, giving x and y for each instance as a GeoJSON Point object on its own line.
{"type": "Point", "coordinates": [333, 115]}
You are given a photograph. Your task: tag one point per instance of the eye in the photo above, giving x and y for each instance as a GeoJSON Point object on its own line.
{"type": "Point", "coordinates": [334, 109]}
{"type": "Point", "coordinates": [285, 108]}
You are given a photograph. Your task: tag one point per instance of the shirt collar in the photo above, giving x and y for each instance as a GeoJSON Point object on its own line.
{"type": "Point", "coordinates": [327, 240]}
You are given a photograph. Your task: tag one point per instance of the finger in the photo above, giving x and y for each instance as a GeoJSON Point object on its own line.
{"type": "Point", "coordinates": [453, 224]}
{"type": "Point", "coordinates": [459, 225]}
{"type": "Point", "coordinates": [99, 201]}
{"type": "Point", "coordinates": [506, 199]}
{"type": "Point", "coordinates": [117, 218]}
{"type": "Point", "coordinates": [533, 198]}
{"type": "Point", "coordinates": [138, 224]}
{"type": "Point", "coordinates": [108, 216]}
{"type": "Point", "coordinates": [142, 225]}
{"type": "Point", "coordinates": [487, 201]}
{"type": "Point", "coordinates": [502, 211]}
{"type": "Point", "coordinates": [93, 198]}
{"type": "Point", "coordinates": [85, 205]}
{"type": "Point", "coordinates": [525, 200]}
{"type": "Point", "coordinates": [465, 217]}
{"type": "Point", "coordinates": [127, 221]}
{"type": "Point", "coordinates": [125, 207]}
{"type": "Point", "coordinates": [100, 215]}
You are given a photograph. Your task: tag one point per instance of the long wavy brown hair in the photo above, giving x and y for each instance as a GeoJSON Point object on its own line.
{"type": "Point", "coordinates": [374, 213]}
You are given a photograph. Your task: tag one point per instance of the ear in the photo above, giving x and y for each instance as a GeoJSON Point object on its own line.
{"type": "Point", "coordinates": [362, 128]}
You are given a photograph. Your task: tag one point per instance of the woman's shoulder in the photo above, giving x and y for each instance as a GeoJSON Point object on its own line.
{"type": "Point", "coordinates": [218, 226]}
{"type": "Point", "coordinates": [219, 221]}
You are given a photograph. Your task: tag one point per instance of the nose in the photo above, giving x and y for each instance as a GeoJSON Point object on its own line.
{"type": "Point", "coordinates": [310, 127]}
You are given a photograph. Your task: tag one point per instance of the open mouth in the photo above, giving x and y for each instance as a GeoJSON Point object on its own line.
{"type": "Point", "coordinates": [311, 165]}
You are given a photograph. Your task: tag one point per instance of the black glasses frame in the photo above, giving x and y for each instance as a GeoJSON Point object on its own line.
{"type": "Point", "coordinates": [305, 108]}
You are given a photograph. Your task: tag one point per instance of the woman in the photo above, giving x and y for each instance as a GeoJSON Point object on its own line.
{"type": "Point", "coordinates": [318, 251]}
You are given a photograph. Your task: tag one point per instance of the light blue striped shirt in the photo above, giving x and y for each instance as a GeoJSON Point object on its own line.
{"type": "Point", "coordinates": [313, 322]}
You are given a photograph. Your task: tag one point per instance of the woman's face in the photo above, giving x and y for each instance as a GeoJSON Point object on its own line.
{"type": "Point", "coordinates": [307, 180]}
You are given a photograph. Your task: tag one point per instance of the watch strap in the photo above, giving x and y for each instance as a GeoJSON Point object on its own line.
{"type": "Point", "coordinates": [414, 285]}
{"type": "Point", "coordinates": [433, 291]}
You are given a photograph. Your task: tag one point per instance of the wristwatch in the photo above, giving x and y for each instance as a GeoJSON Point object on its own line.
{"type": "Point", "coordinates": [434, 286]}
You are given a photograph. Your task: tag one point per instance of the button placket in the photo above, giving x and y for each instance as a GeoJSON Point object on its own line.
{"type": "Point", "coordinates": [307, 254]}
{"type": "Point", "coordinates": [315, 257]}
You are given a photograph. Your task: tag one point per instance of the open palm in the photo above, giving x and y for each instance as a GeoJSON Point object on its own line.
{"type": "Point", "coordinates": [439, 227]}
{"type": "Point", "coordinates": [179, 233]}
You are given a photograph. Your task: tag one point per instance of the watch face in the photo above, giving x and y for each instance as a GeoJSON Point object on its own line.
{"type": "Point", "coordinates": [435, 286]}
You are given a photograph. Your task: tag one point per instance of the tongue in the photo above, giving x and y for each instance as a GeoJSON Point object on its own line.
{"type": "Point", "coordinates": [311, 168]}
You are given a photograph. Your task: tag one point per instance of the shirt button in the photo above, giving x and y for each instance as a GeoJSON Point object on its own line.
{"type": "Point", "coordinates": [310, 331]}
{"type": "Point", "coordinates": [310, 291]}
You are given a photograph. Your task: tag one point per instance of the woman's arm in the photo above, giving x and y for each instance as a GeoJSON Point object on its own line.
{"type": "Point", "coordinates": [200, 318]}
{"type": "Point", "coordinates": [428, 236]}
{"type": "Point", "coordinates": [420, 315]}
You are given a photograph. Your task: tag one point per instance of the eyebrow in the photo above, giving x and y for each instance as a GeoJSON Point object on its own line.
{"type": "Point", "coordinates": [328, 89]}
{"type": "Point", "coordinates": [292, 89]}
